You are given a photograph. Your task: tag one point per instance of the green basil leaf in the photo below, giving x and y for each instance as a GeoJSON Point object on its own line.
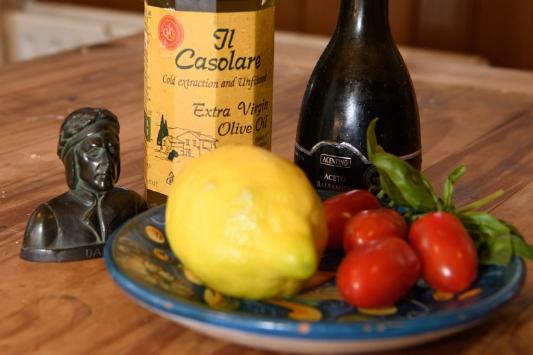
{"type": "Point", "coordinates": [522, 248]}
{"type": "Point", "coordinates": [448, 186]}
{"type": "Point", "coordinates": [513, 229]}
{"type": "Point", "coordinates": [372, 146]}
{"type": "Point", "coordinates": [484, 222]}
{"type": "Point", "coordinates": [495, 251]}
{"type": "Point", "coordinates": [520, 245]}
{"type": "Point", "coordinates": [392, 191]}
{"type": "Point", "coordinates": [404, 184]}
{"type": "Point", "coordinates": [492, 237]}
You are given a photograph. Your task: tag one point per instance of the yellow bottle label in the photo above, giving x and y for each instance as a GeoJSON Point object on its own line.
{"type": "Point", "coordinates": [208, 83]}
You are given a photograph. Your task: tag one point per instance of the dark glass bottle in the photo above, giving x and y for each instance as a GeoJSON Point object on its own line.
{"type": "Point", "coordinates": [360, 76]}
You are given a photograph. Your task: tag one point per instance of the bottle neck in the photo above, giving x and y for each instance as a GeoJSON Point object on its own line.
{"type": "Point", "coordinates": [364, 20]}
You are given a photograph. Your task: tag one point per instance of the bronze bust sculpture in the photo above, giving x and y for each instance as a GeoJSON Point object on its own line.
{"type": "Point", "coordinates": [76, 224]}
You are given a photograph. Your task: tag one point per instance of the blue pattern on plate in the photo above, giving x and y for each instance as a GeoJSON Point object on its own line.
{"type": "Point", "coordinates": [141, 262]}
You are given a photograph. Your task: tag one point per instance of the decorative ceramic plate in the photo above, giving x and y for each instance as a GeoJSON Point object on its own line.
{"type": "Point", "coordinates": [315, 321]}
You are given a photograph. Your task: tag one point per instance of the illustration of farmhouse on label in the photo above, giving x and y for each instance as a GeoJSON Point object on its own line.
{"type": "Point", "coordinates": [177, 142]}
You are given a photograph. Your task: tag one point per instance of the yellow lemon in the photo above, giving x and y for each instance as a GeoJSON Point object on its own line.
{"type": "Point", "coordinates": [246, 223]}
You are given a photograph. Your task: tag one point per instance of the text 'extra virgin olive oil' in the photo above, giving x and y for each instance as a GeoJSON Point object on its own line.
{"type": "Point", "coordinates": [360, 76]}
{"type": "Point", "coordinates": [208, 73]}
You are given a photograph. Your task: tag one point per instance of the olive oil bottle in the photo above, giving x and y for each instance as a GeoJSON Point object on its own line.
{"type": "Point", "coordinates": [360, 76]}
{"type": "Point", "coordinates": [208, 82]}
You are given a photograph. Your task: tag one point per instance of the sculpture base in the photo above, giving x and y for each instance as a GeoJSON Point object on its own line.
{"type": "Point", "coordinates": [62, 255]}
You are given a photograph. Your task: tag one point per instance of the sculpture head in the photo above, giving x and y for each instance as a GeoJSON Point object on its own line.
{"type": "Point", "coordinates": [90, 150]}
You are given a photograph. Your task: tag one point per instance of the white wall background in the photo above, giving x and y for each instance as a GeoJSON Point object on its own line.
{"type": "Point", "coordinates": [36, 29]}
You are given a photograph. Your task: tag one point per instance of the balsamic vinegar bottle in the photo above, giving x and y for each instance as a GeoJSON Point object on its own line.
{"type": "Point", "coordinates": [360, 76]}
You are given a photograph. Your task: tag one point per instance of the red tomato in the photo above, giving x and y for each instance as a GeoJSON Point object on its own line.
{"type": "Point", "coordinates": [341, 208]}
{"type": "Point", "coordinates": [379, 274]}
{"type": "Point", "coordinates": [371, 225]}
{"type": "Point", "coordinates": [447, 253]}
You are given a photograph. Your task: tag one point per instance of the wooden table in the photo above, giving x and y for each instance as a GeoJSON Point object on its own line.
{"type": "Point", "coordinates": [478, 116]}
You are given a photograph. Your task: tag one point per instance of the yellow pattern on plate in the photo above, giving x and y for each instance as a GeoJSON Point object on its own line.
{"type": "Point", "coordinates": [469, 294]}
{"type": "Point", "coordinates": [154, 234]}
{"type": "Point", "coordinates": [298, 311]}
{"type": "Point", "coordinates": [388, 311]}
